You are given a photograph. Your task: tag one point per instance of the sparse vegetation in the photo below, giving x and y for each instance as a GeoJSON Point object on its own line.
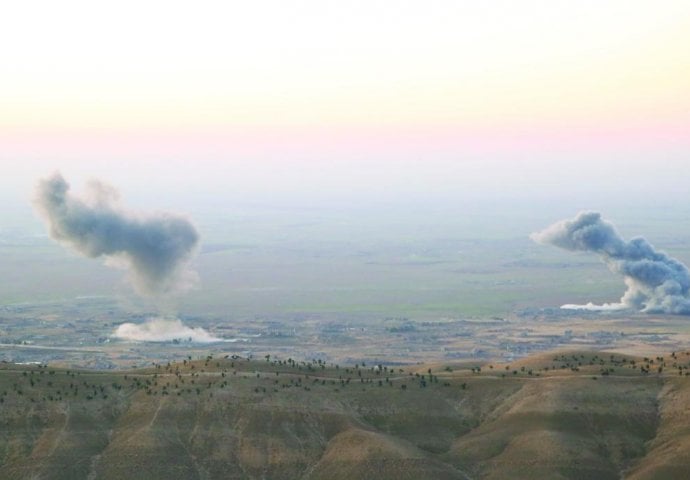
{"type": "Point", "coordinates": [447, 417]}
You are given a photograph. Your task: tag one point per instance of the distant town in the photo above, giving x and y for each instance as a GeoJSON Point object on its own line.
{"type": "Point", "coordinates": [79, 334]}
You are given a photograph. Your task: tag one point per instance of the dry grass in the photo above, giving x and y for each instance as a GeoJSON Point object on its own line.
{"type": "Point", "coordinates": [234, 418]}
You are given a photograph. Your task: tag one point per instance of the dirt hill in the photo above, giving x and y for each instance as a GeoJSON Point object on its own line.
{"type": "Point", "coordinates": [562, 415]}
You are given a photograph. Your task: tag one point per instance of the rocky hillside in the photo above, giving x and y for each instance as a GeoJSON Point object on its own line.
{"type": "Point", "coordinates": [563, 415]}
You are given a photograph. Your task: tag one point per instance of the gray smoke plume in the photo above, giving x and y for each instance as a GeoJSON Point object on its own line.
{"type": "Point", "coordinates": [155, 248]}
{"type": "Point", "coordinates": [656, 282]}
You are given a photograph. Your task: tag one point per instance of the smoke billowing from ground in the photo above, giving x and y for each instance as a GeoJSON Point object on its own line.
{"type": "Point", "coordinates": [656, 282]}
{"type": "Point", "coordinates": [163, 330]}
{"type": "Point", "coordinates": [154, 248]}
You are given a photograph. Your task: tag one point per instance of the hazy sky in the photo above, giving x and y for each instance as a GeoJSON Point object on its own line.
{"type": "Point", "coordinates": [250, 98]}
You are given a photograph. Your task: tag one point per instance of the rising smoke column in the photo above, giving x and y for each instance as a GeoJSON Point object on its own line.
{"type": "Point", "coordinates": [656, 282]}
{"type": "Point", "coordinates": [154, 248]}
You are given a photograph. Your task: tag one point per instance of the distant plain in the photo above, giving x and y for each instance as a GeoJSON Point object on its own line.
{"type": "Point", "coordinates": [340, 281]}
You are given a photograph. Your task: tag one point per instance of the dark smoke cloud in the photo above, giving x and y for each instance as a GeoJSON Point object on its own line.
{"type": "Point", "coordinates": [154, 248]}
{"type": "Point", "coordinates": [656, 282]}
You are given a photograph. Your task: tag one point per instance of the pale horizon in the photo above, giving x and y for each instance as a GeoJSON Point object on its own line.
{"type": "Point", "coordinates": [315, 99]}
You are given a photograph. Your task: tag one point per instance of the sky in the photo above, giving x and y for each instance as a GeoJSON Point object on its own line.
{"type": "Point", "coordinates": [349, 99]}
